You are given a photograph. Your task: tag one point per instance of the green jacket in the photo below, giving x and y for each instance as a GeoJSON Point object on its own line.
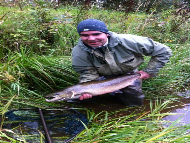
{"type": "Point", "coordinates": [124, 53]}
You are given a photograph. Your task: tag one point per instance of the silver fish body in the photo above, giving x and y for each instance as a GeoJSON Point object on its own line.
{"type": "Point", "coordinates": [94, 88]}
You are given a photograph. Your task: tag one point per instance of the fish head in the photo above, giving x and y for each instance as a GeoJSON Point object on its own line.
{"type": "Point", "coordinates": [60, 96]}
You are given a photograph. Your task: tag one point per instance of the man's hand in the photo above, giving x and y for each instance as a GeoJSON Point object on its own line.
{"type": "Point", "coordinates": [144, 75]}
{"type": "Point", "coordinates": [85, 96]}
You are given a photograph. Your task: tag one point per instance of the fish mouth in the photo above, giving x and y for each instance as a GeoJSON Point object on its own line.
{"type": "Point", "coordinates": [54, 98]}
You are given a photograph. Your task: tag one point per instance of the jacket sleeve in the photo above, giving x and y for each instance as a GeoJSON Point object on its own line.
{"type": "Point", "coordinates": [83, 65]}
{"type": "Point", "coordinates": [159, 53]}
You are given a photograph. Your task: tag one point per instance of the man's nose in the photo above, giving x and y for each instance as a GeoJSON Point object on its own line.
{"type": "Point", "coordinates": [91, 37]}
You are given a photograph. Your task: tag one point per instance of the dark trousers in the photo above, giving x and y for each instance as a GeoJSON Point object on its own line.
{"type": "Point", "coordinates": [132, 95]}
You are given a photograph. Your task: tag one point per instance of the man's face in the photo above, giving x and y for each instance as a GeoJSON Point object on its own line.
{"type": "Point", "coordinates": [94, 38]}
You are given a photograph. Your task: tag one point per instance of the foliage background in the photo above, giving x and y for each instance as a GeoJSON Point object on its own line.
{"type": "Point", "coordinates": [37, 37]}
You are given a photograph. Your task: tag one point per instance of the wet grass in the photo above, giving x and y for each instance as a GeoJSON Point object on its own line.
{"type": "Point", "coordinates": [146, 126]}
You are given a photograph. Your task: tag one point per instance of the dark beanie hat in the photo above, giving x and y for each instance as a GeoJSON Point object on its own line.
{"type": "Point", "coordinates": [92, 25]}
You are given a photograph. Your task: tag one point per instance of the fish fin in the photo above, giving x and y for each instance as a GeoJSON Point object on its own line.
{"type": "Point", "coordinates": [117, 91]}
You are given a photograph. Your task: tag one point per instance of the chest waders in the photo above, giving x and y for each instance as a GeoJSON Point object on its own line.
{"type": "Point", "coordinates": [131, 95]}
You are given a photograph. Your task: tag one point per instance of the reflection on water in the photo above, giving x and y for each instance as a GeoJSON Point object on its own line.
{"type": "Point", "coordinates": [61, 123]}
{"type": "Point", "coordinates": [182, 115]}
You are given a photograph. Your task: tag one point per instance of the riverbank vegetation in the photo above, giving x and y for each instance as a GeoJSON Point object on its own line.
{"type": "Point", "coordinates": [35, 49]}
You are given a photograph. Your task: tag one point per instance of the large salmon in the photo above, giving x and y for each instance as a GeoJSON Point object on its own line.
{"type": "Point", "coordinates": [94, 88]}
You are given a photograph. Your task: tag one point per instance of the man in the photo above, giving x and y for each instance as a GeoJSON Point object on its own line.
{"type": "Point", "coordinates": [100, 52]}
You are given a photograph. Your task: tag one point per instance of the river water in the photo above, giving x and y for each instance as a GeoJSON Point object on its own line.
{"type": "Point", "coordinates": [180, 106]}
{"type": "Point", "coordinates": [65, 123]}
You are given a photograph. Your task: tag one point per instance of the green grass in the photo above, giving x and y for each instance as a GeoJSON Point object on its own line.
{"type": "Point", "coordinates": [174, 77]}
